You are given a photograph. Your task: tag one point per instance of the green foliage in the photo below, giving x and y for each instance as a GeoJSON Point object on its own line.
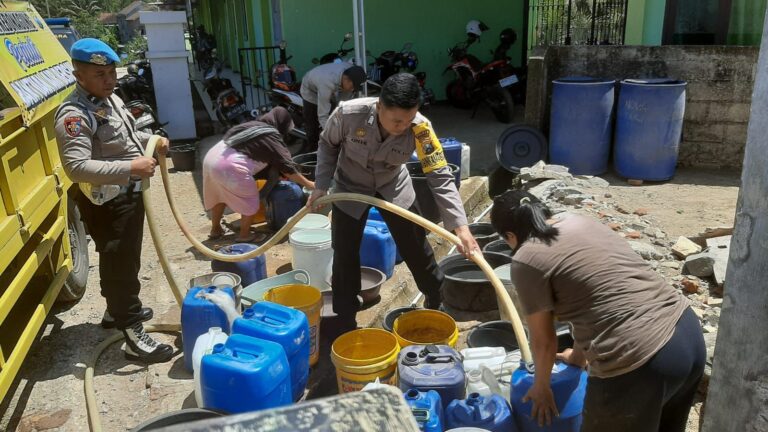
{"type": "Point", "coordinates": [72, 8]}
{"type": "Point", "coordinates": [89, 26]}
{"type": "Point", "coordinates": [135, 48]}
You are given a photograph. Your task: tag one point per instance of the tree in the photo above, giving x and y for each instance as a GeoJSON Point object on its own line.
{"type": "Point", "coordinates": [89, 26]}
{"type": "Point", "coordinates": [80, 7]}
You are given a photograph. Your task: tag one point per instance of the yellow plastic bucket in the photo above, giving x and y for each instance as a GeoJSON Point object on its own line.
{"type": "Point", "coordinates": [361, 356]}
{"type": "Point", "coordinates": [425, 327]}
{"type": "Point", "coordinates": [307, 299]}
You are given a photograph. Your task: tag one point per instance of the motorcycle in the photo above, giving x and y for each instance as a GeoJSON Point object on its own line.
{"type": "Point", "coordinates": [284, 92]}
{"type": "Point", "coordinates": [228, 104]}
{"type": "Point", "coordinates": [137, 83]}
{"type": "Point", "coordinates": [391, 62]}
{"type": "Point", "coordinates": [336, 57]}
{"type": "Point", "coordinates": [145, 118]}
{"type": "Point", "coordinates": [205, 49]}
{"type": "Point", "coordinates": [476, 82]}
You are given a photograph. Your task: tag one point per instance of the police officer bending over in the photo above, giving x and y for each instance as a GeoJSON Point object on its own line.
{"type": "Point", "coordinates": [102, 151]}
{"type": "Point", "coordinates": [364, 147]}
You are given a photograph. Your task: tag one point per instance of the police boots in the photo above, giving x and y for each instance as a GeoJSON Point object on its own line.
{"type": "Point", "coordinates": [140, 346]}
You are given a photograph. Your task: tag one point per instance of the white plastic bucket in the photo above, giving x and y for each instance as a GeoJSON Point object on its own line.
{"type": "Point", "coordinates": [312, 252]}
{"type": "Point", "coordinates": [312, 221]}
{"type": "Point", "coordinates": [465, 157]}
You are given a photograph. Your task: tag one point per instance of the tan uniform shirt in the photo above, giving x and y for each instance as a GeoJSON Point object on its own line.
{"type": "Point", "coordinates": [97, 139]}
{"type": "Point", "coordinates": [622, 312]}
{"type": "Point", "coordinates": [322, 87]}
{"type": "Point", "coordinates": [352, 152]}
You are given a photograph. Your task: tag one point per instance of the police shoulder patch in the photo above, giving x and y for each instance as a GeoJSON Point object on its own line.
{"type": "Point", "coordinates": [73, 125]}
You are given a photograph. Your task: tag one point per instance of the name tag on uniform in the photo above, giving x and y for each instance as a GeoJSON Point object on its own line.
{"type": "Point", "coordinates": [428, 148]}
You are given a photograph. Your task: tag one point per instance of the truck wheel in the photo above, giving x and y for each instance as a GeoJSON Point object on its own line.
{"type": "Point", "coordinates": [74, 286]}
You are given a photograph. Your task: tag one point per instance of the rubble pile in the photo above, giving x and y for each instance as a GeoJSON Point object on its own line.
{"type": "Point", "coordinates": [695, 266]}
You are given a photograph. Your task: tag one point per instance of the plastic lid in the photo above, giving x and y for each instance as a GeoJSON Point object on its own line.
{"type": "Point", "coordinates": [312, 221]}
{"type": "Point", "coordinates": [653, 81]}
{"type": "Point", "coordinates": [219, 347]}
{"type": "Point", "coordinates": [520, 146]}
{"type": "Point", "coordinates": [237, 248]}
{"type": "Point", "coordinates": [582, 80]}
{"type": "Point", "coordinates": [248, 313]}
{"type": "Point", "coordinates": [311, 237]}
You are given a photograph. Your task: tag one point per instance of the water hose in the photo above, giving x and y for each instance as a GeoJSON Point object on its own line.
{"type": "Point", "coordinates": [507, 309]}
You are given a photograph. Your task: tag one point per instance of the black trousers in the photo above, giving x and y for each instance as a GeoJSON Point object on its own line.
{"type": "Point", "coordinates": [411, 240]}
{"type": "Point", "coordinates": [655, 397]}
{"type": "Point", "coordinates": [117, 228]}
{"type": "Point", "coordinates": [311, 125]}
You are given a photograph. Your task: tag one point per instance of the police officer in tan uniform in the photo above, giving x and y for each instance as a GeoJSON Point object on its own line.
{"type": "Point", "coordinates": [364, 148]}
{"type": "Point", "coordinates": [102, 151]}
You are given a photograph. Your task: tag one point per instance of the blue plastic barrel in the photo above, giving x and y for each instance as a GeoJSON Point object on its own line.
{"type": "Point", "coordinates": [649, 126]}
{"type": "Point", "coordinates": [374, 215]}
{"type": "Point", "coordinates": [569, 385]}
{"type": "Point", "coordinates": [377, 249]}
{"type": "Point", "coordinates": [580, 124]}
{"type": "Point", "coordinates": [245, 374]}
{"type": "Point", "coordinates": [432, 367]}
{"type": "Point", "coordinates": [250, 271]}
{"type": "Point", "coordinates": [288, 327]}
{"type": "Point", "coordinates": [491, 413]}
{"type": "Point", "coordinates": [284, 201]}
{"type": "Point", "coordinates": [197, 316]}
{"type": "Point", "coordinates": [427, 408]}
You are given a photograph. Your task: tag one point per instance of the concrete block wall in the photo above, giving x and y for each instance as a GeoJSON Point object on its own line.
{"type": "Point", "coordinates": [720, 81]}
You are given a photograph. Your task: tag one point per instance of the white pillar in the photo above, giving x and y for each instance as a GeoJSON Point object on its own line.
{"type": "Point", "coordinates": [173, 90]}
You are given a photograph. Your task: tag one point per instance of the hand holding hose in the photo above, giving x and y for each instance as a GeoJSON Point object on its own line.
{"type": "Point", "coordinates": [316, 194]}
{"type": "Point", "coordinates": [468, 244]}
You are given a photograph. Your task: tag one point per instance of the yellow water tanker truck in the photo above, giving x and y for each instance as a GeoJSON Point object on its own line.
{"type": "Point", "coordinates": [43, 247]}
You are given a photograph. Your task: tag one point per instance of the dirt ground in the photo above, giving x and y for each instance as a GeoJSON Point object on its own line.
{"type": "Point", "coordinates": [48, 393]}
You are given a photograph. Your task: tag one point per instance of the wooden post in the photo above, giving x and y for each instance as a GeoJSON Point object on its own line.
{"type": "Point", "coordinates": [738, 390]}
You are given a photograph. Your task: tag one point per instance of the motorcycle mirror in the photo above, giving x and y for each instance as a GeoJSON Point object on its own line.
{"type": "Point", "coordinates": [283, 44]}
{"type": "Point", "coordinates": [347, 37]}
{"type": "Point", "coordinates": [141, 72]}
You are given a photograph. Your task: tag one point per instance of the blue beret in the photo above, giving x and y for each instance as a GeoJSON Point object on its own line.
{"type": "Point", "coordinates": [93, 51]}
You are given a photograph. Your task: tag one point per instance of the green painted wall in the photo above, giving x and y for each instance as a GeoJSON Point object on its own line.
{"type": "Point", "coordinates": [746, 26]}
{"type": "Point", "coordinates": [313, 27]}
{"type": "Point", "coordinates": [653, 24]}
{"type": "Point", "coordinates": [635, 21]}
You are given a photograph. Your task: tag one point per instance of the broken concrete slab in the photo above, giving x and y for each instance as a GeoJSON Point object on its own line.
{"type": "Point", "coordinates": [575, 199]}
{"type": "Point", "coordinates": [648, 252]}
{"type": "Point", "coordinates": [700, 264]}
{"type": "Point", "coordinates": [563, 192]}
{"type": "Point", "coordinates": [720, 248]}
{"type": "Point", "coordinates": [684, 247]}
{"type": "Point", "coordinates": [590, 181]}
{"type": "Point", "coordinates": [546, 188]}
{"type": "Point", "coordinates": [543, 171]}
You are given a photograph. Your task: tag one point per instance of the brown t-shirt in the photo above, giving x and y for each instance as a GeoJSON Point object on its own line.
{"type": "Point", "coordinates": [622, 312]}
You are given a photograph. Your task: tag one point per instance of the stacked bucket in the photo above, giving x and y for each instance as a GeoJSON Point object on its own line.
{"type": "Point", "coordinates": [647, 132]}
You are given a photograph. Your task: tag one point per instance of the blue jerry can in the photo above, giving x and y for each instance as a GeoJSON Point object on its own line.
{"type": "Point", "coordinates": [427, 408]}
{"type": "Point", "coordinates": [197, 316]}
{"type": "Point", "coordinates": [283, 325]}
{"type": "Point", "coordinates": [245, 374]}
